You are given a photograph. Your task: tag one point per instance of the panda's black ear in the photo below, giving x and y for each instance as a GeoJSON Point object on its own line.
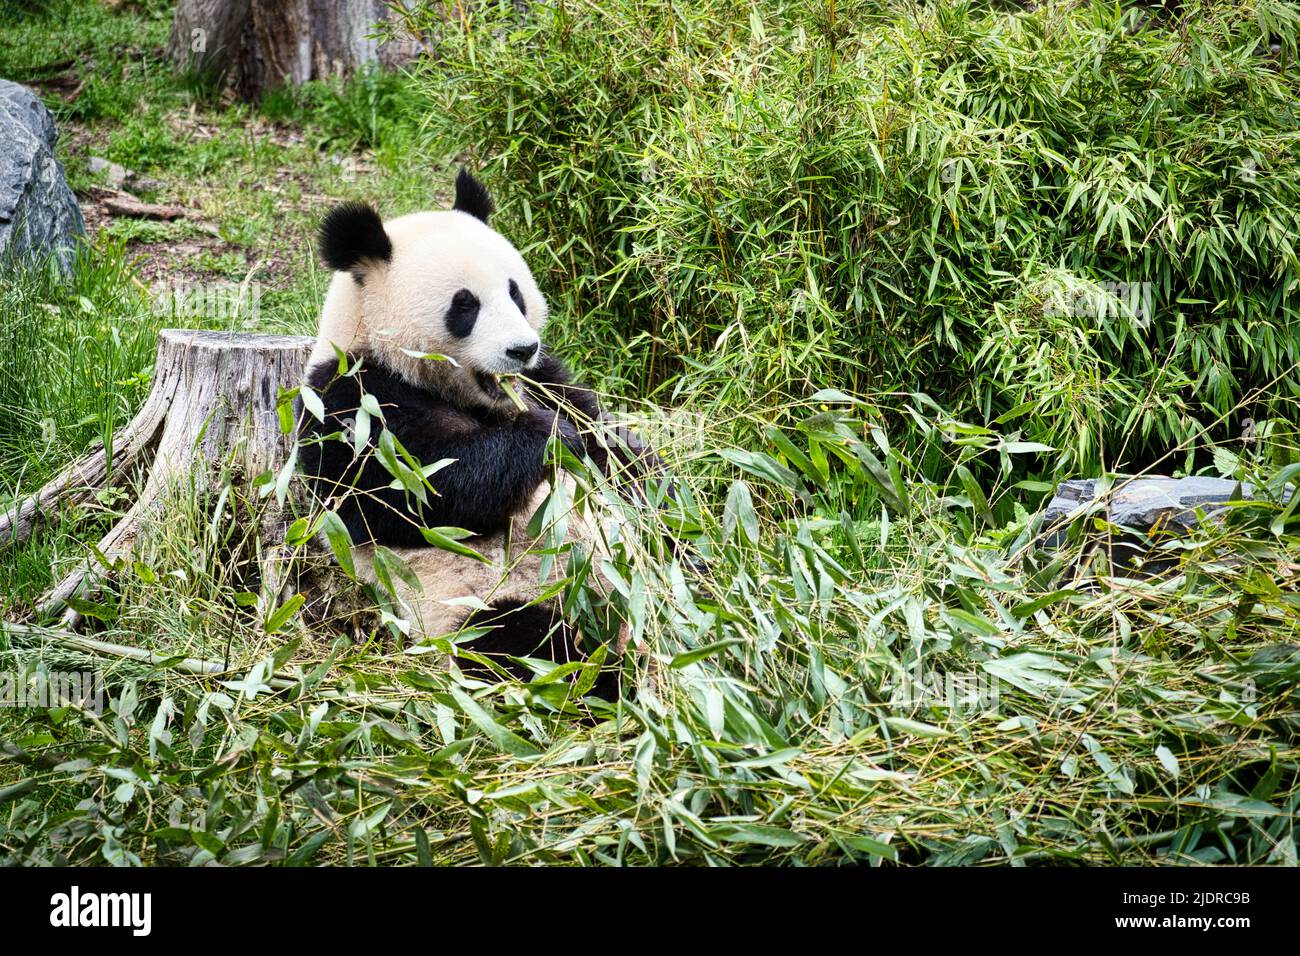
{"type": "Point", "coordinates": [352, 232]}
{"type": "Point", "coordinates": [472, 196]}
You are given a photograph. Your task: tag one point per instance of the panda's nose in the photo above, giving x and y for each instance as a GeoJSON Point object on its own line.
{"type": "Point", "coordinates": [522, 353]}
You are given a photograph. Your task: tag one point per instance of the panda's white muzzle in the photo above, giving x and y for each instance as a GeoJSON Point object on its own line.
{"type": "Point", "coordinates": [502, 342]}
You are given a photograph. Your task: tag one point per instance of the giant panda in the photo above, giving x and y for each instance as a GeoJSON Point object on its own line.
{"type": "Point", "coordinates": [447, 284]}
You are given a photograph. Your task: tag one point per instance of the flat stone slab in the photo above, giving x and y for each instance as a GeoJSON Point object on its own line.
{"type": "Point", "coordinates": [1174, 506]}
{"type": "Point", "coordinates": [1147, 503]}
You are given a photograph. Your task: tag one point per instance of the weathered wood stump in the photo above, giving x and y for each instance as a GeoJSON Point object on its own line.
{"type": "Point", "coordinates": [214, 398]}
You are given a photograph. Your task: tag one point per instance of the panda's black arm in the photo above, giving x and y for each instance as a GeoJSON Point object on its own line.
{"type": "Point", "coordinates": [498, 463]}
{"type": "Point", "coordinates": [557, 389]}
{"type": "Point", "coordinates": [497, 467]}
{"type": "Point", "coordinates": [634, 462]}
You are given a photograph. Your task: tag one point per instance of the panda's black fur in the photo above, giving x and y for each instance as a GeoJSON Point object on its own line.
{"type": "Point", "coordinates": [528, 630]}
{"type": "Point", "coordinates": [350, 233]}
{"type": "Point", "coordinates": [499, 456]}
{"type": "Point", "coordinates": [472, 196]}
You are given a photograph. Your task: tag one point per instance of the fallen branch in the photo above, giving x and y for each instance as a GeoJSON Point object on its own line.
{"type": "Point", "coordinates": [124, 204]}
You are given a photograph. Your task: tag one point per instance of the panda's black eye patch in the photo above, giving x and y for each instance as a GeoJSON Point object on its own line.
{"type": "Point", "coordinates": [462, 313]}
{"type": "Point", "coordinates": [517, 296]}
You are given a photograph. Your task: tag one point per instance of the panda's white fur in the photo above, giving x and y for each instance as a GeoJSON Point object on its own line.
{"type": "Point", "coordinates": [515, 571]}
{"type": "Point", "coordinates": [398, 308]}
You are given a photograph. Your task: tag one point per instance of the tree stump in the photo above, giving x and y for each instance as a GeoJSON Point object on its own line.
{"type": "Point", "coordinates": [214, 396]}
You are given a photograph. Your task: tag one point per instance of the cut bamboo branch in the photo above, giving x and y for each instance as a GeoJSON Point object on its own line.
{"type": "Point", "coordinates": [214, 399]}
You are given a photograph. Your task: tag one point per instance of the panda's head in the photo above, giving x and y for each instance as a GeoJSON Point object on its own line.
{"type": "Point", "coordinates": [441, 283]}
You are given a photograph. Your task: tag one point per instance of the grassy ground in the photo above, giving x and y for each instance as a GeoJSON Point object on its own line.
{"type": "Point", "coordinates": [859, 653]}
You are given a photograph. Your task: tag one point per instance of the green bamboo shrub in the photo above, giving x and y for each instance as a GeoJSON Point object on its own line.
{"type": "Point", "coordinates": [1078, 220]}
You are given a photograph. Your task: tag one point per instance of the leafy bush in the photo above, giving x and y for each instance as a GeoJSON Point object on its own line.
{"type": "Point", "coordinates": [1078, 220]}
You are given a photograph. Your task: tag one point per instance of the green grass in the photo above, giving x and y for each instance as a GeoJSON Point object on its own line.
{"type": "Point", "coordinates": [750, 220]}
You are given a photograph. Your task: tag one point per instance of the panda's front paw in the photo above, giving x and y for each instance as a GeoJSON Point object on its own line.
{"type": "Point", "coordinates": [636, 460]}
{"type": "Point", "coordinates": [549, 422]}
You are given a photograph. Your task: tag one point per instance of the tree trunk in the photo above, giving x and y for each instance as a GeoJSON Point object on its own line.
{"type": "Point", "coordinates": [214, 396]}
{"type": "Point", "coordinates": [259, 44]}
{"type": "Point", "coordinates": [206, 35]}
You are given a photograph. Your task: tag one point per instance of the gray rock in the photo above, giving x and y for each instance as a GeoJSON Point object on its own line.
{"type": "Point", "coordinates": [1143, 505]}
{"type": "Point", "coordinates": [115, 175]}
{"type": "Point", "coordinates": [39, 214]}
